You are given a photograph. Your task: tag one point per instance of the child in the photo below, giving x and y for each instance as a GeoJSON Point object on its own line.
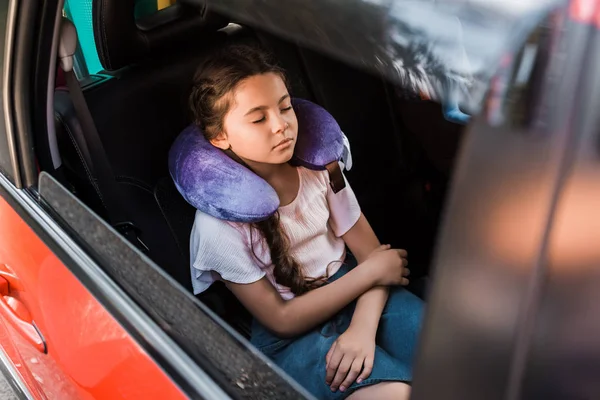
{"type": "Point", "coordinates": [340, 326]}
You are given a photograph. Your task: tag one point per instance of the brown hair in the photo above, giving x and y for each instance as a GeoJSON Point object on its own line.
{"type": "Point", "coordinates": [215, 80]}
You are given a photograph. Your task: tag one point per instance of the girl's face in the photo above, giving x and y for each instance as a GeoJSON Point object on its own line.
{"type": "Point", "coordinates": [261, 126]}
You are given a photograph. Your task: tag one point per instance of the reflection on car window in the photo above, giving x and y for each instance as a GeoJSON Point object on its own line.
{"type": "Point", "coordinates": [143, 8]}
{"type": "Point", "coordinates": [80, 13]}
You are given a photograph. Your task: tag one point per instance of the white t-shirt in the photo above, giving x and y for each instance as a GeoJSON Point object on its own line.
{"type": "Point", "coordinates": [314, 222]}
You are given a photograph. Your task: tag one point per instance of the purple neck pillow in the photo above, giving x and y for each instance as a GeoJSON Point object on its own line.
{"type": "Point", "coordinates": [214, 183]}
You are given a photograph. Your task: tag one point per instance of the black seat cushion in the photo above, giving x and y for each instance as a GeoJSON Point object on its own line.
{"type": "Point", "coordinates": [179, 216]}
{"type": "Point", "coordinates": [138, 113]}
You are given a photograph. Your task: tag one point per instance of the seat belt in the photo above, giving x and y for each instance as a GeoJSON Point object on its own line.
{"type": "Point", "coordinates": [110, 194]}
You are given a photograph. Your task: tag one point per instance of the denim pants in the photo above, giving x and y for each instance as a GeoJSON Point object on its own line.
{"type": "Point", "coordinates": [303, 357]}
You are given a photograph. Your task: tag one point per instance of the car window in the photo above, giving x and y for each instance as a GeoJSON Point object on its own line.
{"type": "Point", "coordinates": [143, 8]}
{"type": "Point", "coordinates": [80, 13]}
{"type": "Point", "coordinates": [5, 160]}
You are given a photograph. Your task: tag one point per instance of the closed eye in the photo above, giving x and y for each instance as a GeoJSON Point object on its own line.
{"type": "Point", "coordinates": [286, 109]}
{"type": "Point", "coordinates": [258, 121]}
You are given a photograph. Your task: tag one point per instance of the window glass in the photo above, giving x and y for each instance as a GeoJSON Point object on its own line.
{"type": "Point", "coordinates": [165, 3]}
{"type": "Point", "coordinates": [143, 8]}
{"type": "Point", "coordinates": [80, 13]}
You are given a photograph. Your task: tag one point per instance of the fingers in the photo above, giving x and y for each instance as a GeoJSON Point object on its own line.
{"type": "Point", "coordinates": [402, 253]}
{"type": "Point", "coordinates": [342, 372]}
{"type": "Point", "coordinates": [405, 272]}
{"type": "Point", "coordinates": [332, 365]}
{"type": "Point", "coordinates": [383, 247]}
{"type": "Point", "coordinates": [367, 368]}
{"type": "Point", "coordinates": [404, 282]}
{"type": "Point", "coordinates": [355, 369]}
{"type": "Point", "coordinates": [330, 352]}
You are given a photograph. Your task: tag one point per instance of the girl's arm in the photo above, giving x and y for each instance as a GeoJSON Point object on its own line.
{"type": "Point", "coordinates": [362, 241]}
{"type": "Point", "coordinates": [352, 355]}
{"type": "Point", "coordinates": [302, 313]}
{"type": "Point", "coordinates": [294, 317]}
{"type": "Point", "coordinates": [348, 222]}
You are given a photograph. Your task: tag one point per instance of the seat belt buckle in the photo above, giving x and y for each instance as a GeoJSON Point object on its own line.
{"type": "Point", "coordinates": [132, 233]}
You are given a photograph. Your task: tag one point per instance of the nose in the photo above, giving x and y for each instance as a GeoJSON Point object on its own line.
{"type": "Point", "coordinates": [279, 125]}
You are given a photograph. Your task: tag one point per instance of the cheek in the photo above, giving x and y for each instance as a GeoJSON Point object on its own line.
{"type": "Point", "coordinates": [293, 122]}
{"type": "Point", "coordinates": [250, 139]}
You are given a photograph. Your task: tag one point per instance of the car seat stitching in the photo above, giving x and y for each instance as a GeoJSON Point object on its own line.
{"type": "Point", "coordinates": [97, 26]}
{"type": "Point", "coordinates": [163, 212]}
{"type": "Point", "coordinates": [104, 46]}
{"type": "Point", "coordinates": [82, 159]}
{"type": "Point", "coordinates": [134, 181]}
{"type": "Point", "coordinates": [145, 38]}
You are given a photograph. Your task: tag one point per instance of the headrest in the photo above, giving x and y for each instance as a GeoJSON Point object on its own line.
{"type": "Point", "coordinates": [216, 184]}
{"type": "Point", "coordinates": [122, 40]}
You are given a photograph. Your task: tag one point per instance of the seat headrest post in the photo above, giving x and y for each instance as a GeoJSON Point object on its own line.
{"type": "Point", "coordinates": [67, 45]}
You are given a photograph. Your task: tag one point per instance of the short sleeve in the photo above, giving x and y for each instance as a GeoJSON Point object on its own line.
{"type": "Point", "coordinates": [220, 250]}
{"type": "Point", "coordinates": [344, 210]}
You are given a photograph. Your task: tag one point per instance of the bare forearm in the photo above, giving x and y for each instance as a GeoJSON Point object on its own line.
{"type": "Point", "coordinates": [368, 309]}
{"type": "Point", "coordinates": [305, 312]}
{"type": "Point", "coordinates": [362, 241]}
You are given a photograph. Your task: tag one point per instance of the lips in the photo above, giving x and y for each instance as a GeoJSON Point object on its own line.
{"type": "Point", "coordinates": [283, 142]}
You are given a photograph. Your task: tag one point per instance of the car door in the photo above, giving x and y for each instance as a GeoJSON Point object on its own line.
{"type": "Point", "coordinates": [83, 313]}
{"type": "Point", "coordinates": [514, 309]}
{"type": "Point", "coordinates": [61, 341]}
{"type": "Point", "coordinates": [57, 340]}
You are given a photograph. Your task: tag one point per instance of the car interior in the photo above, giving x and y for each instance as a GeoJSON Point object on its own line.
{"type": "Point", "coordinates": [403, 149]}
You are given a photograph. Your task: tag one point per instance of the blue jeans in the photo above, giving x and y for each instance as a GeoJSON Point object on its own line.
{"type": "Point", "coordinates": [303, 357]}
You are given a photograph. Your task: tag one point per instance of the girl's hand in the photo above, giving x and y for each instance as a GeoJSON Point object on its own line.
{"type": "Point", "coordinates": [379, 249]}
{"type": "Point", "coordinates": [388, 266]}
{"type": "Point", "coordinates": [350, 355]}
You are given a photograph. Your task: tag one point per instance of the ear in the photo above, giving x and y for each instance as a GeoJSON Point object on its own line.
{"type": "Point", "coordinates": [221, 141]}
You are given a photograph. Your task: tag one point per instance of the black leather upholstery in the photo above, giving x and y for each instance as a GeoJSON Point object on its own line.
{"type": "Point", "coordinates": [76, 166]}
{"type": "Point", "coordinates": [138, 113]}
{"type": "Point", "coordinates": [122, 41]}
{"type": "Point", "coordinates": [179, 216]}
{"type": "Point", "coordinates": [438, 138]}
{"type": "Point", "coordinates": [178, 213]}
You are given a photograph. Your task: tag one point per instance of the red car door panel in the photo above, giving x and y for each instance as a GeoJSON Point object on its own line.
{"type": "Point", "coordinates": [89, 355]}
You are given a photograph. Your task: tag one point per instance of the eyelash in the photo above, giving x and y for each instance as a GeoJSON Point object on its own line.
{"type": "Point", "coordinates": [263, 119]}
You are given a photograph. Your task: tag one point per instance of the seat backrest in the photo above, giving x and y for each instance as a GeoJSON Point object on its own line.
{"type": "Point", "coordinates": [178, 214]}
{"type": "Point", "coordinates": [438, 137]}
{"type": "Point", "coordinates": [139, 105]}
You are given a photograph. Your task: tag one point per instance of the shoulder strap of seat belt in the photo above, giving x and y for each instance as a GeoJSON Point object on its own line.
{"type": "Point", "coordinates": [101, 169]}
